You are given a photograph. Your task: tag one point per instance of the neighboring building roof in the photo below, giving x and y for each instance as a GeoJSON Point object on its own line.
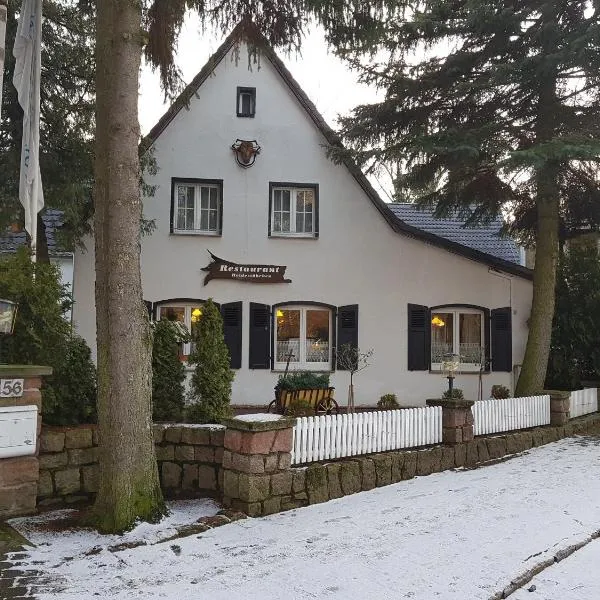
{"type": "Point", "coordinates": [483, 237]}
{"type": "Point", "coordinates": [395, 222]}
{"type": "Point", "coordinates": [53, 219]}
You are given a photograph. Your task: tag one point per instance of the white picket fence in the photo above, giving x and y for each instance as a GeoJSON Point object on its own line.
{"type": "Point", "coordinates": [506, 414]}
{"type": "Point", "coordinates": [337, 436]}
{"type": "Point", "coordinates": [584, 402]}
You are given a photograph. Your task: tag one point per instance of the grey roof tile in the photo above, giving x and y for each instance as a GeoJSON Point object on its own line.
{"type": "Point", "coordinates": [484, 237]}
{"type": "Point", "coordinates": [53, 220]}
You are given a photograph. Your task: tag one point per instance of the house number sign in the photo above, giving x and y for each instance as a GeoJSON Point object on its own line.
{"type": "Point", "coordinates": [11, 388]}
{"type": "Point", "coordinates": [224, 269]}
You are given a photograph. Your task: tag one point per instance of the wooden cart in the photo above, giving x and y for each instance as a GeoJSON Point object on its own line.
{"type": "Point", "coordinates": [321, 399]}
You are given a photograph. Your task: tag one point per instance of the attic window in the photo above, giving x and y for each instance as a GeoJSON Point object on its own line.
{"type": "Point", "coordinates": [246, 101]}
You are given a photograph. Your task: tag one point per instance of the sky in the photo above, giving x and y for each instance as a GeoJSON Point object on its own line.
{"type": "Point", "coordinates": [327, 80]}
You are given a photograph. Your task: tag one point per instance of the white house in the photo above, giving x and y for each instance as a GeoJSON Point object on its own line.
{"type": "Point", "coordinates": [305, 255]}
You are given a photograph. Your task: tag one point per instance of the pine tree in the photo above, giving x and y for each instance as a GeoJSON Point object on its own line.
{"type": "Point", "coordinates": [498, 102]}
{"type": "Point", "coordinates": [212, 378]}
{"type": "Point", "coordinates": [67, 119]}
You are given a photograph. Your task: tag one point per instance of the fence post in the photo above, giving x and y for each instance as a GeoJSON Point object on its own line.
{"type": "Point", "coordinates": [257, 463]}
{"type": "Point", "coordinates": [560, 407]}
{"type": "Point", "coordinates": [457, 420]}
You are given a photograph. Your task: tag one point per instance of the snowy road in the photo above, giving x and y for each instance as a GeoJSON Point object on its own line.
{"type": "Point", "coordinates": [454, 535]}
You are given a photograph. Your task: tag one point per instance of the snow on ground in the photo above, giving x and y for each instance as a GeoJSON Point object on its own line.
{"type": "Point", "coordinates": [57, 544]}
{"type": "Point", "coordinates": [577, 577]}
{"type": "Point", "coordinates": [454, 535]}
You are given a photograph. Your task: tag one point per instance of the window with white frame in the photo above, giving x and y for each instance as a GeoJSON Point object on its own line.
{"type": "Point", "coordinates": [294, 210]}
{"type": "Point", "coordinates": [186, 313]}
{"type": "Point", "coordinates": [197, 207]}
{"type": "Point", "coordinates": [303, 337]}
{"type": "Point", "coordinates": [457, 331]}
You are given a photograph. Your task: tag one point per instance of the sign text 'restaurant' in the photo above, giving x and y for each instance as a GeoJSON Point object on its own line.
{"type": "Point", "coordinates": [223, 269]}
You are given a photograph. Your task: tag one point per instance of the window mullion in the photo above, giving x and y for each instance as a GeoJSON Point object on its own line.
{"type": "Point", "coordinates": [197, 206]}
{"type": "Point", "coordinates": [292, 211]}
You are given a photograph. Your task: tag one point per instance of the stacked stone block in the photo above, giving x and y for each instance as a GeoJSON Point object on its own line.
{"type": "Point", "coordinates": [257, 478]}
{"type": "Point", "coordinates": [560, 407]}
{"type": "Point", "coordinates": [189, 459]}
{"type": "Point", "coordinates": [457, 420]}
{"type": "Point", "coordinates": [19, 476]}
{"type": "Point", "coordinates": [68, 464]}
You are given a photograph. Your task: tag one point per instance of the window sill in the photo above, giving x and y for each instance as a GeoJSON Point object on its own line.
{"type": "Point", "coordinates": [196, 232]}
{"type": "Point", "coordinates": [294, 236]}
{"type": "Point", "coordinates": [460, 372]}
{"type": "Point", "coordinates": [312, 370]}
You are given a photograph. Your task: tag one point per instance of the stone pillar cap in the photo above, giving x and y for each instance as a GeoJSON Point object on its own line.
{"type": "Point", "coordinates": [259, 422]}
{"type": "Point", "coordinates": [557, 393]}
{"type": "Point", "coordinates": [450, 403]}
{"type": "Point", "coordinates": [24, 370]}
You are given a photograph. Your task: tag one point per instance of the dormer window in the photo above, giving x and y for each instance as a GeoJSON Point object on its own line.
{"type": "Point", "coordinates": [246, 101]}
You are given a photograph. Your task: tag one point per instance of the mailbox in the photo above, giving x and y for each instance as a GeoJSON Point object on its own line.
{"type": "Point", "coordinates": [18, 431]}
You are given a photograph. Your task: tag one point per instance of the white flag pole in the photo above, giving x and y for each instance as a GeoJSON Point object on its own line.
{"type": "Point", "coordinates": [28, 62]}
{"type": "Point", "coordinates": [3, 12]}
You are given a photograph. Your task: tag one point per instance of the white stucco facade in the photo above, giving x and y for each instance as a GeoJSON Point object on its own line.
{"type": "Point", "coordinates": [357, 258]}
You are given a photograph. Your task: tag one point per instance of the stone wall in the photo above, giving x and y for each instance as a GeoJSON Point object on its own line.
{"type": "Point", "coordinates": [189, 462]}
{"type": "Point", "coordinates": [320, 482]}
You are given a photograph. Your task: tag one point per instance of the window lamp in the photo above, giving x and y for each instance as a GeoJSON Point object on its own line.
{"type": "Point", "coordinates": [303, 336]}
{"type": "Point", "coordinates": [457, 331]}
{"type": "Point", "coordinates": [188, 315]}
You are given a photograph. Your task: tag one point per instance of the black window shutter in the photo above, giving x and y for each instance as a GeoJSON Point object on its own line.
{"type": "Point", "coordinates": [232, 331]}
{"type": "Point", "coordinates": [502, 339]}
{"type": "Point", "coordinates": [260, 336]}
{"type": "Point", "coordinates": [419, 337]}
{"type": "Point", "coordinates": [347, 327]}
{"type": "Point", "coordinates": [487, 349]}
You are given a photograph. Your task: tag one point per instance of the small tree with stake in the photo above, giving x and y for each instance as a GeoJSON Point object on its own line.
{"type": "Point", "coordinates": [350, 358]}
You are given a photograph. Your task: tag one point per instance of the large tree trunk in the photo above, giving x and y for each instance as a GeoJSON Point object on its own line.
{"type": "Point", "coordinates": [537, 351]}
{"type": "Point", "coordinates": [535, 361]}
{"type": "Point", "coordinates": [129, 485]}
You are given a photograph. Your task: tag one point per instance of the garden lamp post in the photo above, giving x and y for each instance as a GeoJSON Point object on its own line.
{"type": "Point", "coordinates": [450, 365]}
{"type": "Point", "coordinates": [8, 315]}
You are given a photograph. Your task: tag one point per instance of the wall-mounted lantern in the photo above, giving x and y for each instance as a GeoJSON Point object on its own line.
{"type": "Point", "coordinates": [8, 315]}
{"type": "Point", "coordinates": [450, 365]}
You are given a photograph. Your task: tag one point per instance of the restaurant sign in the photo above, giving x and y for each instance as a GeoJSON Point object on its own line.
{"type": "Point", "coordinates": [223, 269]}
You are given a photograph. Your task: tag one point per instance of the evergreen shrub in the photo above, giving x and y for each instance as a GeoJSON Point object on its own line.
{"type": "Point", "coordinates": [42, 336]}
{"type": "Point", "coordinates": [168, 372]}
{"type": "Point", "coordinates": [212, 377]}
{"type": "Point", "coordinates": [388, 402]}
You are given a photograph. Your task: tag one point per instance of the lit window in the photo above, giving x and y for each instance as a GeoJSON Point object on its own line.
{"type": "Point", "coordinates": [197, 208]}
{"type": "Point", "coordinates": [188, 314]}
{"type": "Point", "coordinates": [457, 331]}
{"type": "Point", "coordinates": [303, 337]}
{"type": "Point", "coordinates": [293, 211]}
{"type": "Point", "coordinates": [246, 102]}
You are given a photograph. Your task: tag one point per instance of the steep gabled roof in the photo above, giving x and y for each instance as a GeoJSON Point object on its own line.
{"type": "Point", "coordinates": [394, 221]}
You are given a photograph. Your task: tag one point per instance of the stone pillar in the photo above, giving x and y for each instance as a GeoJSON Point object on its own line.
{"type": "Point", "coordinates": [256, 463]}
{"type": "Point", "coordinates": [560, 407]}
{"type": "Point", "coordinates": [19, 475]}
{"type": "Point", "coordinates": [457, 420]}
